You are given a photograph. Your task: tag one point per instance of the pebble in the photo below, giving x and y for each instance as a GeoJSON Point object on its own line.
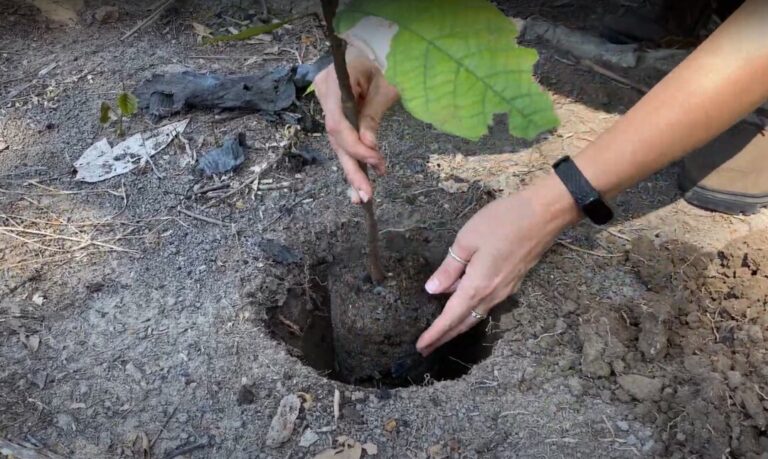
{"type": "Point", "coordinates": [641, 387]}
{"type": "Point", "coordinates": [623, 425]}
{"type": "Point", "coordinates": [575, 386]}
{"type": "Point", "coordinates": [735, 379]}
{"type": "Point", "coordinates": [632, 440]}
{"type": "Point", "coordinates": [755, 333]}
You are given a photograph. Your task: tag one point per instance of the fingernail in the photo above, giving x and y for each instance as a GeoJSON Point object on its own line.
{"type": "Point", "coordinates": [363, 195]}
{"type": "Point", "coordinates": [432, 285]}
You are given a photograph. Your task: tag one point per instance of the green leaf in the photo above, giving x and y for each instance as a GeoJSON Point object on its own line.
{"type": "Point", "coordinates": [127, 103]}
{"type": "Point", "coordinates": [310, 89]}
{"type": "Point", "coordinates": [456, 63]}
{"type": "Point", "coordinates": [104, 113]}
{"type": "Point", "coordinates": [251, 31]}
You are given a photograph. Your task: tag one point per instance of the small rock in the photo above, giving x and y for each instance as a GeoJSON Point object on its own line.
{"type": "Point", "coordinates": [654, 333]}
{"type": "Point", "coordinates": [641, 387]}
{"type": "Point", "coordinates": [735, 380]}
{"type": "Point", "coordinates": [281, 428]}
{"type": "Point", "coordinates": [182, 418]}
{"type": "Point", "coordinates": [592, 363]}
{"type": "Point", "coordinates": [623, 425]}
{"type": "Point", "coordinates": [308, 439]}
{"type": "Point", "coordinates": [65, 422]}
{"type": "Point", "coordinates": [680, 437]}
{"type": "Point", "coordinates": [647, 447]}
{"type": "Point", "coordinates": [755, 334]}
{"type": "Point", "coordinates": [3, 144]}
{"type": "Point", "coordinates": [753, 406]}
{"type": "Point", "coordinates": [575, 386]}
{"type": "Point", "coordinates": [106, 14]}
{"type": "Point", "coordinates": [357, 396]}
{"type": "Point", "coordinates": [632, 440]}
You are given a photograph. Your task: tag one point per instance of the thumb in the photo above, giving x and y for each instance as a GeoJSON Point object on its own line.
{"type": "Point", "coordinates": [445, 279]}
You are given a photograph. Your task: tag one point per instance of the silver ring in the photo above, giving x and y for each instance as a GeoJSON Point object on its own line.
{"type": "Point", "coordinates": [478, 316]}
{"type": "Point", "coordinates": [456, 257]}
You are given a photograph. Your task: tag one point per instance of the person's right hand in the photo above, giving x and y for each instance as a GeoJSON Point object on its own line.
{"type": "Point", "coordinates": [374, 96]}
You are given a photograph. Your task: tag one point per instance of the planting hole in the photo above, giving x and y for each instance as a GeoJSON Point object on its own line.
{"type": "Point", "coordinates": [304, 323]}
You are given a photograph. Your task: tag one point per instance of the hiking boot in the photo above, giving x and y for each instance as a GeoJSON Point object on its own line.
{"type": "Point", "coordinates": [729, 174]}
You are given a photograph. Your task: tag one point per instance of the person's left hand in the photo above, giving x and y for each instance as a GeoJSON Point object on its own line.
{"type": "Point", "coordinates": [500, 243]}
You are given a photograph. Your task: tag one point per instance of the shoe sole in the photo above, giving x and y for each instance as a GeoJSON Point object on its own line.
{"type": "Point", "coordinates": [727, 203]}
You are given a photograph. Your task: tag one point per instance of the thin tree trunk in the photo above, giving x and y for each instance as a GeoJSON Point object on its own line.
{"type": "Point", "coordinates": [338, 49]}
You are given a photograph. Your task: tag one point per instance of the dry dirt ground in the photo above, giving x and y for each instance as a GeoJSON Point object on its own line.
{"type": "Point", "coordinates": [149, 330]}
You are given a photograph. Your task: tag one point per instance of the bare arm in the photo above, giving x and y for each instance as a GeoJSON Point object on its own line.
{"type": "Point", "coordinates": [722, 81]}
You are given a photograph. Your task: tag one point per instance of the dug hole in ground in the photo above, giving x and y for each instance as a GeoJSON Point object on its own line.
{"type": "Point", "coordinates": [165, 313]}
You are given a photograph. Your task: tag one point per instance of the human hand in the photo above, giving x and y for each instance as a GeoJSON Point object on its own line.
{"type": "Point", "coordinates": [374, 96]}
{"type": "Point", "coordinates": [500, 244]}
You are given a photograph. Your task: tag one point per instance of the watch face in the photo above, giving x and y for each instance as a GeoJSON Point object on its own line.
{"type": "Point", "coordinates": [598, 211]}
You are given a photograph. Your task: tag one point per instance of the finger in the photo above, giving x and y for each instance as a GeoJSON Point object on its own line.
{"type": "Point", "coordinates": [356, 177]}
{"type": "Point", "coordinates": [380, 97]}
{"type": "Point", "coordinates": [448, 273]}
{"type": "Point", "coordinates": [455, 312]}
{"type": "Point", "coordinates": [348, 140]}
{"type": "Point", "coordinates": [468, 323]}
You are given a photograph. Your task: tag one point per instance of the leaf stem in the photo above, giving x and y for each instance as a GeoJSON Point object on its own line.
{"type": "Point", "coordinates": [338, 49]}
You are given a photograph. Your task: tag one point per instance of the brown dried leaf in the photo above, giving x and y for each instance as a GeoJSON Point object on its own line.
{"type": "Point", "coordinates": [390, 425]}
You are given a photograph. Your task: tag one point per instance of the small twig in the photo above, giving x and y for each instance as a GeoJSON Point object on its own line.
{"type": "Point", "coordinates": [590, 252]}
{"type": "Point", "coordinates": [168, 419]}
{"type": "Point", "coordinates": [618, 78]}
{"type": "Point", "coordinates": [555, 333]}
{"type": "Point", "coordinates": [618, 235]}
{"type": "Point", "coordinates": [202, 217]}
{"type": "Point", "coordinates": [247, 182]}
{"type": "Point", "coordinates": [208, 189]}
{"type": "Point", "coordinates": [26, 451]}
{"type": "Point", "coordinates": [274, 186]}
{"type": "Point", "coordinates": [291, 326]}
{"type": "Point", "coordinates": [85, 242]}
{"type": "Point", "coordinates": [187, 449]}
{"type": "Point", "coordinates": [149, 19]}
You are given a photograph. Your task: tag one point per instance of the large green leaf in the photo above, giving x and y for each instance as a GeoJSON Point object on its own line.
{"type": "Point", "coordinates": [456, 63]}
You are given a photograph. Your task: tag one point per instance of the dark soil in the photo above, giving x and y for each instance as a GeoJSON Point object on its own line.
{"type": "Point", "coordinates": [376, 326]}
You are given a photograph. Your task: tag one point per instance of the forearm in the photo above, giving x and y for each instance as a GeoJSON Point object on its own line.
{"type": "Point", "coordinates": [720, 83]}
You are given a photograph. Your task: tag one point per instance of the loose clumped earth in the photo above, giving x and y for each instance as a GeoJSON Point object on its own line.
{"type": "Point", "coordinates": [140, 329]}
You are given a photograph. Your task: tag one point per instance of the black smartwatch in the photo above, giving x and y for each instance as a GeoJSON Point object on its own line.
{"type": "Point", "coordinates": [586, 196]}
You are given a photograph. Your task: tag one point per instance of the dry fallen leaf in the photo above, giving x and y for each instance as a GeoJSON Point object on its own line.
{"type": "Point", "coordinates": [38, 298]}
{"type": "Point", "coordinates": [390, 425]}
{"type": "Point", "coordinates": [309, 400]}
{"type": "Point", "coordinates": [347, 449]}
{"type": "Point", "coordinates": [140, 446]}
{"type": "Point", "coordinates": [32, 342]}
{"type": "Point", "coordinates": [201, 30]}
